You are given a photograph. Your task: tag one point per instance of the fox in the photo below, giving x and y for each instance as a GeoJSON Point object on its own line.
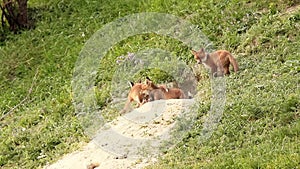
{"type": "Point", "coordinates": [152, 92]}
{"type": "Point", "coordinates": [135, 94]}
{"type": "Point", "coordinates": [155, 94]}
{"type": "Point", "coordinates": [161, 92]}
{"type": "Point", "coordinates": [220, 59]}
{"type": "Point", "coordinates": [151, 85]}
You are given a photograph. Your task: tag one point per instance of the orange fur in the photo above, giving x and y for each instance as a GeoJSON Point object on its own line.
{"type": "Point", "coordinates": [218, 61]}
{"type": "Point", "coordinates": [155, 94]}
{"type": "Point", "coordinates": [135, 94]}
{"type": "Point", "coordinates": [167, 93]}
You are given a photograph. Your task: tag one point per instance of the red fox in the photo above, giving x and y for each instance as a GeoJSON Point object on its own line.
{"type": "Point", "coordinates": [135, 94]}
{"type": "Point", "coordinates": [155, 94]}
{"type": "Point", "coordinates": [161, 92]}
{"type": "Point", "coordinates": [220, 59]}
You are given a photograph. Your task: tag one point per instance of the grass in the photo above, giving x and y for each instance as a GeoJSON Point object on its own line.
{"type": "Point", "coordinates": [260, 126]}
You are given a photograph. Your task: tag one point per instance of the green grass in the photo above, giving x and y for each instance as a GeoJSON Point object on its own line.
{"type": "Point", "coordinates": [260, 126]}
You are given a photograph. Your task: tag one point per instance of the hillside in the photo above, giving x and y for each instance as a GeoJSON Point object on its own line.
{"type": "Point", "coordinates": [111, 153]}
{"type": "Point", "coordinates": [260, 125]}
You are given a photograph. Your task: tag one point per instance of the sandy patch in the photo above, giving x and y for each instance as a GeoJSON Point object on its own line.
{"type": "Point", "coordinates": [117, 146]}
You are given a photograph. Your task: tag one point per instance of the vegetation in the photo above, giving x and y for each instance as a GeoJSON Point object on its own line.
{"type": "Point", "coordinates": [14, 14]}
{"type": "Point", "coordinates": [260, 126]}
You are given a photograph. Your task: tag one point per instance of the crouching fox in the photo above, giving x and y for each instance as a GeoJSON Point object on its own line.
{"type": "Point", "coordinates": [161, 92]}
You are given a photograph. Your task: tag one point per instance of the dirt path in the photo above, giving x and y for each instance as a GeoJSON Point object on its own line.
{"type": "Point", "coordinates": [119, 146]}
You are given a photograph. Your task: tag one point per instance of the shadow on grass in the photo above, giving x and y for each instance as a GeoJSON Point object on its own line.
{"type": "Point", "coordinates": [34, 15]}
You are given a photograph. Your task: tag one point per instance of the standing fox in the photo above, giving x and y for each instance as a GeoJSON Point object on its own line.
{"type": "Point", "coordinates": [135, 94]}
{"type": "Point", "coordinates": [218, 60]}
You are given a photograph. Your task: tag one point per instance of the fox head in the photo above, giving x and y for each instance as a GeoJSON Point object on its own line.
{"type": "Point", "coordinates": [199, 56]}
{"type": "Point", "coordinates": [131, 84]}
{"type": "Point", "coordinates": [149, 84]}
{"type": "Point", "coordinates": [145, 93]}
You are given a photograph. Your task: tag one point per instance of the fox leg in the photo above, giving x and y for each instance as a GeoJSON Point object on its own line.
{"type": "Point", "coordinates": [182, 96]}
{"type": "Point", "coordinates": [139, 101]}
{"type": "Point", "coordinates": [124, 110]}
{"type": "Point", "coordinates": [214, 71]}
{"type": "Point", "coordinates": [226, 70]}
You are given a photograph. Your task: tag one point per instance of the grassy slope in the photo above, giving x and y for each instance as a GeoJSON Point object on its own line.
{"type": "Point", "coordinates": [260, 125]}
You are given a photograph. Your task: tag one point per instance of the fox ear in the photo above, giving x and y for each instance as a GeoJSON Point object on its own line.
{"type": "Point", "coordinates": [148, 81]}
{"type": "Point", "coordinates": [194, 52]}
{"type": "Point", "coordinates": [131, 84]}
{"type": "Point", "coordinates": [202, 50]}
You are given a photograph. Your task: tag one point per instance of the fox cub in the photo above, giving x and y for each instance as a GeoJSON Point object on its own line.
{"type": "Point", "coordinates": [135, 94]}
{"type": "Point", "coordinates": [161, 92]}
{"type": "Point", "coordinates": [218, 62]}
